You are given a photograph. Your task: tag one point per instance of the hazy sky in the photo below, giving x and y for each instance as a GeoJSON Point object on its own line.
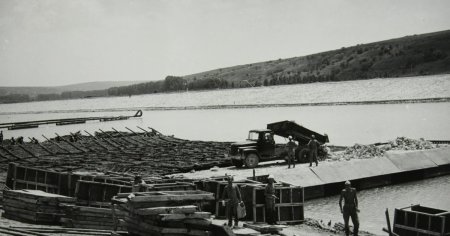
{"type": "Point", "coordinates": [59, 42]}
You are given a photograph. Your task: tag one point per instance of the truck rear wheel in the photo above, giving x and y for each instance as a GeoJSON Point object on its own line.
{"type": "Point", "coordinates": [237, 163]}
{"type": "Point", "coordinates": [303, 156]}
{"type": "Point", "coordinates": [251, 160]}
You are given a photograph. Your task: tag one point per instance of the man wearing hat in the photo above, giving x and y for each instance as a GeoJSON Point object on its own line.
{"type": "Point", "coordinates": [312, 145]}
{"type": "Point", "coordinates": [350, 208]}
{"type": "Point", "coordinates": [291, 146]}
{"type": "Point", "coordinates": [233, 195]}
{"type": "Point", "coordinates": [269, 194]}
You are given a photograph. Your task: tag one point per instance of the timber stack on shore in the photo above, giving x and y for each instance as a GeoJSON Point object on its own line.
{"type": "Point", "coordinates": [149, 153]}
{"type": "Point", "coordinates": [34, 206]}
{"type": "Point", "coordinates": [166, 213]}
{"type": "Point", "coordinates": [90, 217]}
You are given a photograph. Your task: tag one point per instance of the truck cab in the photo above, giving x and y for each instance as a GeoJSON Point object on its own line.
{"type": "Point", "coordinates": [259, 146]}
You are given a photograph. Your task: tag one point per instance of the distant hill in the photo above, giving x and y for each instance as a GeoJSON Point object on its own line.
{"type": "Point", "coordinates": [425, 54]}
{"type": "Point", "coordinates": [34, 91]}
{"type": "Point", "coordinates": [407, 56]}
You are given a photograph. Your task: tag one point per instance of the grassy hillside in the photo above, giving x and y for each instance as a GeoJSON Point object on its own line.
{"type": "Point", "coordinates": [406, 56]}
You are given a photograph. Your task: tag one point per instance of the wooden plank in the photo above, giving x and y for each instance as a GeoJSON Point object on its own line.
{"type": "Point", "coordinates": [54, 143]}
{"type": "Point", "coordinates": [12, 154]}
{"type": "Point", "coordinates": [71, 144]}
{"type": "Point", "coordinates": [38, 194]}
{"type": "Point", "coordinates": [173, 196]}
{"type": "Point", "coordinates": [166, 210]}
{"type": "Point", "coordinates": [151, 229]}
{"type": "Point", "coordinates": [27, 151]}
{"type": "Point", "coordinates": [180, 216]}
{"type": "Point", "coordinates": [416, 230]}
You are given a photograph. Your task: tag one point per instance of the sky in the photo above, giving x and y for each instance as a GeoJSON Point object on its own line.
{"type": "Point", "coordinates": [56, 42]}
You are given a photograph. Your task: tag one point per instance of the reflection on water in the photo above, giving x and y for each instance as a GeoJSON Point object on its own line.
{"type": "Point", "coordinates": [373, 202]}
{"type": "Point", "coordinates": [345, 125]}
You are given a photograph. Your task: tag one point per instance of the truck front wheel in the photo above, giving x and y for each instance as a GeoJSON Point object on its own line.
{"type": "Point", "coordinates": [251, 160]}
{"type": "Point", "coordinates": [237, 163]}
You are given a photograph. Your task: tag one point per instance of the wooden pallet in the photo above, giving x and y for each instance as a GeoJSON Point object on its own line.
{"type": "Point", "coordinates": [417, 220]}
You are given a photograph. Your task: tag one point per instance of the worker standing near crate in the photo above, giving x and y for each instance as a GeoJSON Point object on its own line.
{"type": "Point", "coordinates": [291, 146]}
{"type": "Point", "coordinates": [232, 195]}
{"type": "Point", "coordinates": [350, 208]}
{"type": "Point", "coordinates": [269, 194]}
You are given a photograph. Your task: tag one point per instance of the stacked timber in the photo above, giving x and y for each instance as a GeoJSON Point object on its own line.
{"type": "Point", "coordinates": [34, 206]}
{"type": "Point", "coordinates": [91, 217]}
{"type": "Point", "coordinates": [166, 213]}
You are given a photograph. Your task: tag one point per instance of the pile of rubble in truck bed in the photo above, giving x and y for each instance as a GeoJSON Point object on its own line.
{"type": "Point", "coordinates": [148, 153]}
{"type": "Point", "coordinates": [359, 151]}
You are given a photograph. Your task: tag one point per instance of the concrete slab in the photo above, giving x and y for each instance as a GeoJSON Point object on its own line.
{"type": "Point", "coordinates": [411, 160]}
{"type": "Point", "coordinates": [354, 169]}
{"type": "Point", "coordinates": [302, 176]}
{"type": "Point", "coordinates": [440, 156]}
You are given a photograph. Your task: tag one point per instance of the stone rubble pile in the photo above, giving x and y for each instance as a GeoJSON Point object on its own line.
{"type": "Point", "coordinates": [403, 143]}
{"type": "Point", "coordinates": [359, 151]}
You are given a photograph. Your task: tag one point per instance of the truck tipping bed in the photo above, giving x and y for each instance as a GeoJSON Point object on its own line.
{"type": "Point", "coordinates": [298, 132]}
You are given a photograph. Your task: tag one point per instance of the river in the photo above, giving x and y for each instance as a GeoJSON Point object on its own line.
{"type": "Point", "coordinates": [345, 125]}
{"type": "Point", "coordinates": [433, 192]}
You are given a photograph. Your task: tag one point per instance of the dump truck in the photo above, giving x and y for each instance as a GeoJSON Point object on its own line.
{"type": "Point", "coordinates": [260, 145]}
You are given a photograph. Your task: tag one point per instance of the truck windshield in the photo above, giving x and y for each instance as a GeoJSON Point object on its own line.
{"type": "Point", "coordinates": [253, 136]}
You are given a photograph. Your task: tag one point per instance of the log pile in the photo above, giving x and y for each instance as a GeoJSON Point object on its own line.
{"type": "Point", "coordinates": [34, 206]}
{"type": "Point", "coordinates": [148, 153]}
{"type": "Point", "coordinates": [166, 213]}
{"type": "Point", "coordinates": [90, 217]}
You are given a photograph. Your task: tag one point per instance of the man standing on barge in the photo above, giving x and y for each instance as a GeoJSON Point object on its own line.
{"type": "Point", "coordinates": [350, 208]}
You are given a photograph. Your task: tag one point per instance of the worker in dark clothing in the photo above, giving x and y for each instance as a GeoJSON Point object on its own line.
{"type": "Point", "coordinates": [312, 145]}
{"type": "Point", "coordinates": [232, 196]}
{"type": "Point", "coordinates": [20, 140]}
{"type": "Point", "coordinates": [270, 197]}
{"type": "Point", "coordinates": [139, 184]}
{"type": "Point", "coordinates": [350, 208]}
{"type": "Point", "coordinates": [291, 146]}
{"type": "Point", "coordinates": [1, 137]}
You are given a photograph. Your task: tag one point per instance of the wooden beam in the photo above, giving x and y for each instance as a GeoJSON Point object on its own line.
{"type": "Point", "coordinates": [28, 151]}
{"type": "Point", "coordinates": [71, 144]}
{"type": "Point", "coordinates": [54, 143]}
